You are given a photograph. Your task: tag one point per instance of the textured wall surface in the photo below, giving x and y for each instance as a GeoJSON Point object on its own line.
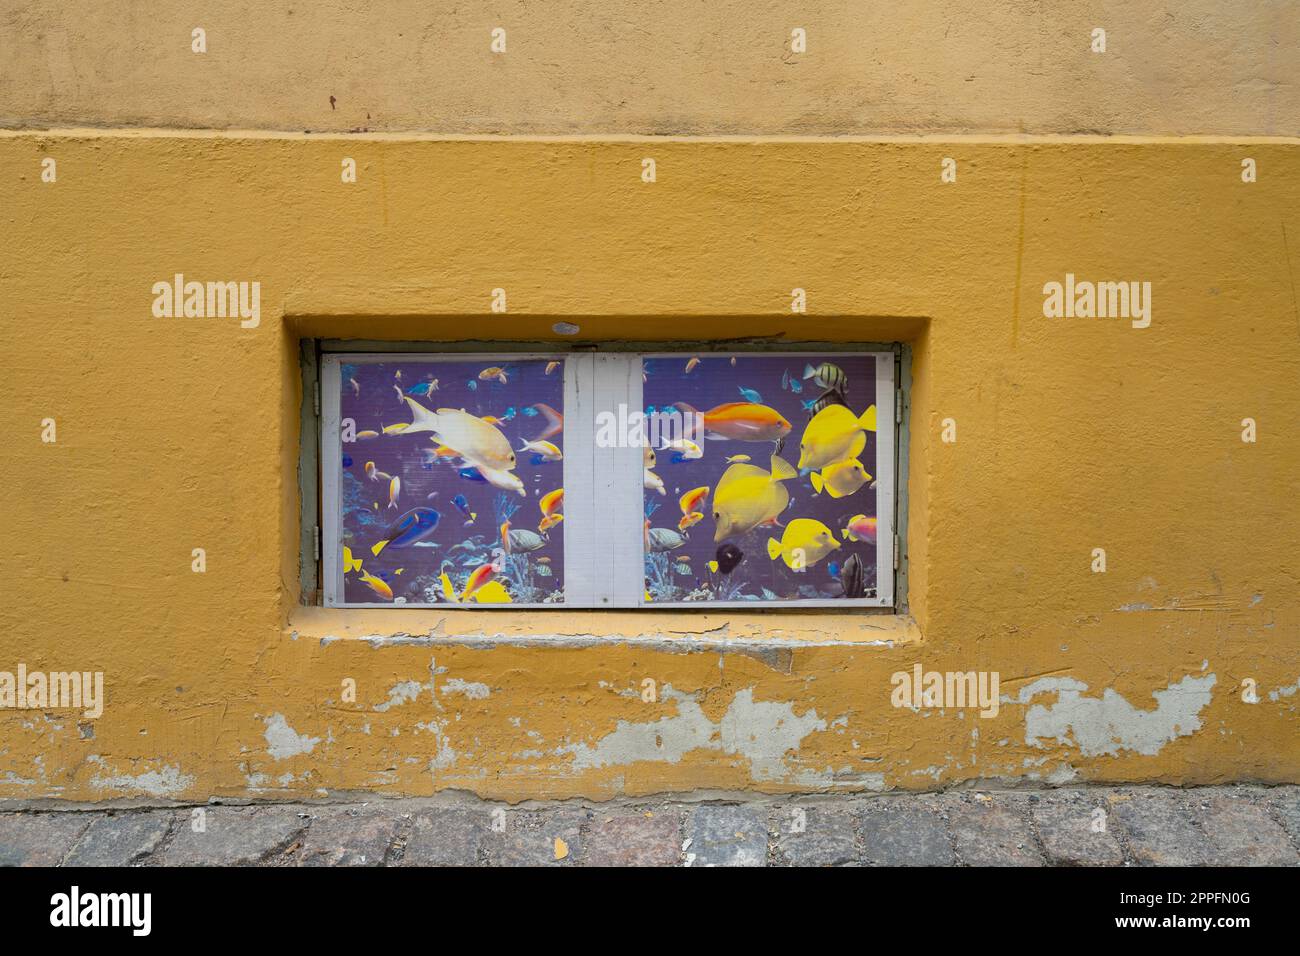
{"type": "Point", "coordinates": [1072, 434]}
{"type": "Point", "coordinates": [658, 67]}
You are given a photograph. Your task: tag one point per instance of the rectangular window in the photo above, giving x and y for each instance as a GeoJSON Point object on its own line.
{"type": "Point", "coordinates": [609, 480]}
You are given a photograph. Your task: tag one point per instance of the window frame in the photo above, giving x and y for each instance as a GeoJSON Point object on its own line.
{"type": "Point", "coordinates": [597, 481]}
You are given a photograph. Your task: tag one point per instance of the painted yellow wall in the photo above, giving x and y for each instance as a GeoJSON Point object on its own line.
{"type": "Point", "coordinates": [677, 67]}
{"type": "Point", "coordinates": [1073, 434]}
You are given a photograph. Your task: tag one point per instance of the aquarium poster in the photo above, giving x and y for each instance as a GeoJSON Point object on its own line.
{"type": "Point", "coordinates": [451, 481]}
{"type": "Point", "coordinates": [760, 478]}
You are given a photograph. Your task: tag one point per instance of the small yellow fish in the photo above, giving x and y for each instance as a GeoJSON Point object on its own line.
{"type": "Point", "coordinates": [448, 591]}
{"type": "Point", "coordinates": [349, 562]}
{"type": "Point", "coordinates": [805, 542]}
{"type": "Point", "coordinates": [835, 434]}
{"type": "Point", "coordinates": [732, 459]}
{"type": "Point", "coordinates": [551, 367]}
{"type": "Point", "coordinates": [840, 479]}
{"type": "Point", "coordinates": [496, 372]}
{"type": "Point", "coordinates": [394, 489]}
{"type": "Point", "coordinates": [546, 450]}
{"type": "Point", "coordinates": [367, 434]}
{"type": "Point", "coordinates": [690, 365]}
{"type": "Point", "coordinates": [690, 520]}
{"type": "Point", "coordinates": [378, 585]}
{"type": "Point", "coordinates": [551, 502]}
{"type": "Point", "coordinates": [493, 420]}
{"type": "Point", "coordinates": [692, 498]}
{"type": "Point", "coordinates": [394, 429]}
{"type": "Point", "coordinates": [713, 566]}
{"type": "Point", "coordinates": [684, 447]}
{"type": "Point", "coordinates": [399, 570]}
{"type": "Point", "coordinates": [549, 522]}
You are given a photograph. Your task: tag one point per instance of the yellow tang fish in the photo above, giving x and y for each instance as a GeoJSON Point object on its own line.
{"type": "Point", "coordinates": [840, 479]}
{"type": "Point", "coordinates": [478, 442]}
{"type": "Point", "coordinates": [378, 585]}
{"type": "Point", "coordinates": [747, 496]}
{"type": "Point", "coordinates": [805, 542]}
{"type": "Point", "coordinates": [349, 562]}
{"type": "Point", "coordinates": [835, 434]}
{"type": "Point", "coordinates": [492, 593]}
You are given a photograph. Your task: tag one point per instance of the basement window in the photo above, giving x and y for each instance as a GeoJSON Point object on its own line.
{"type": "Point", "coordinates": [608, 479]}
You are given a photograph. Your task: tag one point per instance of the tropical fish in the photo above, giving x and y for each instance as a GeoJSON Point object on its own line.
{"type": "Point", "coordinates": [442, 451]}
{"type": "Point", "coordinates": [493, 592]}
{"type": "Point", "coordinates": [692, 498]}
{"type": "Point", "coordinates": [732, 459]}
{"type": "Point", "coordinates": [542, 451]}
{"type": "Point", "coordinates": [522, 541]}
{"type": "Point", "coordinates": [690, 365]}
{"type": "Point", "coordinates": [749, 395]}
{"type": "Point", "coordinates": [827, 400]}
{"type": "Point", "coordinates": [683, 449]}
{"type": "Point", "coordinates": [398, 390]}
{"type": "Point", "coordinates": [378, 585]}
{"type": "Point", "coordinates": [689, 520]}
{"type": "Point", "coordinates": [415, 525]}
{"type": "Point", "coordinates": [554, 421]}
{"type": "Point", "coordinates": [551, 367]}
{"type": "Point", "coordinates": [356, 387]}
{"type": "Point", "coordinates": [805, 542]}
{"type": "Point", "coordinates": [472, 385]}
{"type": "Point", "coordinates": [505, 480]}
{"type": "Point", "coordinates": [841, 479]}
{"type": "Point", "coordinates": [861, 528]}
{"type": "Point", "coordinates": [530, 412]}
{"type": "Point", "coordinates": [478, 442]}
{"type": "Point", "coordinates": [549, 522]}
{"type": "Point", "coordinates": [471, 474]}
{"type": "Point", "coordinates": [493, 420]}
{"type": "Point", "coordinates": [827, 376]}
{"type": "Point", "coordinates": [654, 483]}
{"type": "Point", "coordinates": [853, 578]}
{"type": "Point", "coordinates": [478, 577]}
{"type": "Point", "coordinates": [552, 502]}
{"type": "Point", "coordinates": [463, 505]}
{"type": "Point", "coordinates": [747, 496]}
{"type": "Point", "coordinates": [367, 434]}
{"type": "Point", "coordinates": [713, 566]}
{"type": "Point", "coordinates": [682, 568]}
{"type": "Point", "coordinates": [394, 489]}
{"type": "Point", "coordinates": [665, 539]}
{"type": "Point", "coordinates": [398, 375]}
{"type": "Point", "coordinates": [648, 457]}
{"type": "Point", "coordinates": [733, 361]}
{"type": "Point", "coordinates": [495, 372]}
{"type": "Point", "coordinates": [832, 569]}
{"type": "Point", "coordinates": [740, 421]}
{"type": "Point", "coordinates": [350, 563]}
{"type": "Point", "coordinates": [394, 429]}
{"type": "Point", "coordinates": [727, 558]}
{"type": "Point", "coordinates": [796, 386]}
{"type": "Point", "coordinates": [543, 560]}
{"type": "Point", "coordinates": [544, 570]}
{"type": "Point", "coordinates": [373, 474]}
{"type": "Point", "coordinates": [834, 434]}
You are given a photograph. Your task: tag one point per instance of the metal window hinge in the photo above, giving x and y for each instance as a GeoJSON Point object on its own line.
{"type": "Point", "coordinates": [896, 552]}
{"type": "Point", "coordinates": [898, 406]}
{"type": "Point", "coordinates": [315, 397]}
{"type": "Point", "coordinates": [315, 534]}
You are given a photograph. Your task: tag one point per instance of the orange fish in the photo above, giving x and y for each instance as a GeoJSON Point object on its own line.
{"type": "Point", "coordinates": [481, 576]}
{"type": "Point", "coordinates": [505, 536]}
{"type": "Point", "coordinates": [690, 520]}
{"type": "Point", "coordinates": [552, 502]}
{"type": "Point", "coordinates": [739, 421]}
{"type": "Point", "coordinates": [692, 498]}
{"type": "Point", "coordinates": [496, 372]}
{"type": "Point", "coordinates": [549, 522]}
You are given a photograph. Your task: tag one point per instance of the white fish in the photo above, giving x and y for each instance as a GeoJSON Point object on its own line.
{"type": "Point", "coordinates": [654, 482]}
{"type": "Point", "coordinates": [478, 442]}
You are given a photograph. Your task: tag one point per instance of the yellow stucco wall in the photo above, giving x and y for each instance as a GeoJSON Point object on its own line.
{"type": "Point", "coordinates": [1073, 434]}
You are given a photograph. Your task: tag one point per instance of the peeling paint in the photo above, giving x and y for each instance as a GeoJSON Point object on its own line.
{"type": "Point", "coordinates": [156, 783]}
{"type": "Point", "coordinates": [283, 741]}
{"type": "Point", "coordinates": [1109, 724]}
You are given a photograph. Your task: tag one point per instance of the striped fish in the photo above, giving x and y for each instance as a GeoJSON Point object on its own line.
{"type": "Point", "coordinates": [828, 376]}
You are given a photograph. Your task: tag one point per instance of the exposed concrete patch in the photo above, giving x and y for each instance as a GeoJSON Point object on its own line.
{"type": "Point", "coordinates": [403, 693]}
{"type": "Point", "coordinates": [283, 741]}
{"type": "Point", "coordinates": [763, 732]}
{"type": "Point", "coordinates": [1109, 724]}
{"type": "Point", "coordinates": [156, 783]}
{"type": "Point", "coordinates": [1289, 691]}
{"type": "Point", "coordinates": [471, 689]}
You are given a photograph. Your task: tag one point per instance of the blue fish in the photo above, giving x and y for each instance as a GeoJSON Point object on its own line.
{"type": "Point", "coordinates": [650, 410]}
{"type": "Point", "coordinates": [509, 416]}
{"type": "Point", "coordinates": [471, 474]}
{"type": "Point", "coordinates": [749, 395]}
{"type": "Point", "coordinates": [529, 411]}
{"type": "Point", "coordinates": [833, 569]}
{"type": "Point", "coordinates": [347, 461]}
{"type": "Point", "coordinates": [473, 385]}
{"type": "Point", "coordinates": [807, 406]}
{"type": "Point", "coordinates": [463, 506]}
{"type": "Point", "coordinates": [416, 525]}
{"type": "Point", "coordinates": [796, 386]}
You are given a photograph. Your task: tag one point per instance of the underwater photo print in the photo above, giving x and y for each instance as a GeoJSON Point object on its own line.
{"type": "Point", "coordinates": [760, 478]}
{"type": "Point", "coordinates": [451, 481]}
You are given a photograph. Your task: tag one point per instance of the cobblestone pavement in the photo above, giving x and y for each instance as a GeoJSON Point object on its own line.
{"type": "Point", "coordinates": [1124, 826]}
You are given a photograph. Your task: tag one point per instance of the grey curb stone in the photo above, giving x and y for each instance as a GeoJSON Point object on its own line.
{"type": "Point", "coordinates": [1074, 834]}
{"type": "Point", "coordinates": [728, 836]}
{"type": "Point", "coordinates": [234, 836]}
{"type": "Point", "coordinates": [896, 831]}
{"type": "Point", "coordinates": [1159, 829]}
{"type": "Point", "coordinates": [446, 837]}
{"type": "Point", "coordinates": [40, 839]}
{"type": "Point", "coordinates": [1242, 833]}
{"type": "Point", "coordinates": [121, 839]}
{"type": "Point", "coordinates": [827, 837]}
{"type": "Point", "coordinates": [629, 838]}
{"type": "Point", "coordinates": [349, 836]}
{"type": "Point", "coordinates": [989, 833]}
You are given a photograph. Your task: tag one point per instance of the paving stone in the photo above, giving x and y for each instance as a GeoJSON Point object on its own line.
{"type": "Point", "coordinates": [234, 836]}
{"type": "Point", "coordinates": [446, 836]}
{"type": "Point", "coordinates": [815, 836]}
{"type": "Point", "coordinates": [348, 836]}
{"type": "Point", "coordinates": [1286, 801]}
{"type": "Point", "coordinates": [1073, 833]}
{"type": "Point", "coordinates": [634, 839]}
{"type": "Point", "coordinates": [1159, 830]}
{"type": "Point", "coordinates": [530, 836]}
{"type": "Point", "coordinates": [1242, 833]}
{"type": "Point", "coordinates": [728, 835]}
{"type": "Point", "coordinates": [903, 831]}
{"type": "Point", "coordinates": [992, 833]}
{"type": "Point", "coordinates": [120, 839]}
{"type": "Point", "coordinates": [40, 839]}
